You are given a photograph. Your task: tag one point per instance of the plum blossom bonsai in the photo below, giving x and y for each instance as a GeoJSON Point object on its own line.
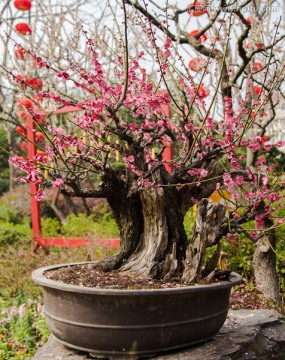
{"type": "Point", "coordinates": [208, 115]}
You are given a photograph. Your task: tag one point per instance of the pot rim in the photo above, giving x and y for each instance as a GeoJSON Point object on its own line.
{"type": "Point", "coordinates": [39, 278]}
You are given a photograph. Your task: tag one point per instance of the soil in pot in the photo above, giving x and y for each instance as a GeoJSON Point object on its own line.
{"type": "Point", "coordinates": [85, 275]}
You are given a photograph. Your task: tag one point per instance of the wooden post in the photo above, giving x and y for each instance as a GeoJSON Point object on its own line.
{"type": "Point", "coordinates": [167, 154]}
{"type": "Point", "coordinates": [35, 206]}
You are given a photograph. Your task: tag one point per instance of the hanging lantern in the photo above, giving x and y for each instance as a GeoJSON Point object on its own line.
{"type": "Point", "coordinates": [36, 83]}
{"type": "Point", "coordinates": [197, 64]}
{"type": "Point", "coordinates": [23, 146]}
{"type": "Point", "coordinates": [264, 138]}
{"type": "Point", "coordinates": [203, 92]}
{"type": "Point", "coordinates": [22, 115]}
{"type": "Point", "coordinates": [24, 102]}
{"type": "Point", "coordinates": [19, 77]}
{"type": "Point", "coordinates": [23, 28]}
{"type": "Point", "coordinates": [23, 4]}
{"type": "Point", "coordinates": [196, 9]}
{"type": "Point", "coordinates": [21, 81]}
{"type": "Point", "coordinates": [40, 136]}
{"type": "Point", "coordinates": [257, 89]}
{"type": "Point", "coordinates": [19, 54]}
{"type": "Point", "coordinates": [257, 66]}
{"type": "Point", "coordinates": [40, 119]}
{"type": "Point", "coordinates": [21, 130]}
{"type": "Point", "coordinates": [248, 20]}
{"type": "Point", "coordinates": [201, 38]}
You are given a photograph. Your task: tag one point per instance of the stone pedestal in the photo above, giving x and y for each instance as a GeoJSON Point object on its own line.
{"type": "Point", "coordinates": [246, 335]}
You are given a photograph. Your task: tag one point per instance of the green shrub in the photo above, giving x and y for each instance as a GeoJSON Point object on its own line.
{"type": "Point", "coordinates": [83, 225]}
{"type": "Point", "coordinates": [10, 214]}
{"type": "Point", "coordinates": [11, 233]}
{"type": "Point", "coordinates": [239, 255]}
{"type": "Point", "coordinates": [50, 227]}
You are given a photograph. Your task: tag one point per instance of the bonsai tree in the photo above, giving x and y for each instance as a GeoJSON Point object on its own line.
{"type": "Point", "coordinates": [208, 113]}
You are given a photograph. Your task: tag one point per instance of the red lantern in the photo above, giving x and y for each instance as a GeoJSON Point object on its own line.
{"type": "Point", "coordinates": [203, 92]}
{"type": "Point", "coordinates": [39, 83]}
{"type": "Point", "coordinates": [23, 28]}
{"type": "Point", "coordinates": [23, 4]}
{"type": "Point", "coordinates": [248, 20]}
{"type": "Point", "coordinates": [197, 9]}
{"type": "Point", "coordinates": [19, 77]}
{"type": "Point", "coordinates": [21, 130]}
{"type": "Point", "coordinates": [201, 38]}
{"type": "Point", "coordinates": [264, 138]}
{"type": "Point", "coordinates": [40, 119]}
{"type": "Point", "coordinates": [24, 102]}
{"type": "Point", "coordinates": [35, 83]}
{"type": "Point", "coordinates": [22, 115]}
{"type": "Point", "coordinates": [257, 66]}
{"type": "Point", "coordinates": [197, 64]}
{"type": "Point", "coordinates": [23, 146]}
{"type": "Point", "coordinates": [40, 136]}
{"type": "Point", "coordinates": [19, 54]}
{"type": "Point", "coordinates": [21, 81]}
{"type": "Point", "coordinates": [257, 89]}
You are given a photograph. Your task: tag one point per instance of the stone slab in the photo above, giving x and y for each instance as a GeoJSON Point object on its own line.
{"type": "Point", "coordinates": [246, 335]}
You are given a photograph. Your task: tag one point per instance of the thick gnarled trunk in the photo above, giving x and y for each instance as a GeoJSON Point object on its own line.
{"type": "Point", "coordinates": [153, 239]}
{"type": "Point", "coordinates": [264, 265]}
{"type": "Point", "coordinates": [147, 260]}
{"type": "Point", "coordinates": [206, 230]}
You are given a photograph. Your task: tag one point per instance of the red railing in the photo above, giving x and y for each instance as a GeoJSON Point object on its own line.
{"type": "Point", "coordinates": [38, 239]}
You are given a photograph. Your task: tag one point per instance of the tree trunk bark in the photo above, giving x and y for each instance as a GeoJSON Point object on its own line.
{"type": "Point", "coordinates": [207, 226]}
{"type": "Point", "coordinates": [264, 265]}
{"type": "Point", "coordinates": [128, 215]}
{"type": "Point", "coordinates": [264, 259]}
{"type": "Point", "coordinates": [154, 240]}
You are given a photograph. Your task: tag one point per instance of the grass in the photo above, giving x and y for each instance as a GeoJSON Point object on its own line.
{"type": "Point", "coordinates": [22, 325]}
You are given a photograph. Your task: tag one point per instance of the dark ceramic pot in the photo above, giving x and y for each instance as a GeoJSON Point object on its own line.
{"type": "Point", "coordinates": [130, 324]}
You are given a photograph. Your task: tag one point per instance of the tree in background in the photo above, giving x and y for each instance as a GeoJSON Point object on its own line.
{"type": "Point", "coordinates": [219, 100]}
{"type": "Point", "coordinates": [51, 29]}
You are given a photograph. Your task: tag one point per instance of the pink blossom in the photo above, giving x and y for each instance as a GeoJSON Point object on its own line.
{"type": "Point", "coordinates": [200, 172]}
{"type": "Point", "coordinates": [58, 183]}
{"type": "Point", "coordinates": [259, 221]}
{"type": "Point", "coordinates": [40, 195]}
{"type": "Point", "coordinates": [229, 182]}
{"type": "Point", "coordinates": [265, 180]}
{"type": "Point", "coordinates": [239, 180]}
{"type": "Point", "coordinates": [273, 197]}
{"type": "Point", "coordinates": [129, 159]}
{"type": "Point", "coordinates": [267, 147]}
{"type": "Point", "coordinates": [279, 143]}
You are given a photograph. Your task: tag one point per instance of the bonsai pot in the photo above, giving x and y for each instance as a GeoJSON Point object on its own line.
{"type": "Point", "coordinates": [130, 324]}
